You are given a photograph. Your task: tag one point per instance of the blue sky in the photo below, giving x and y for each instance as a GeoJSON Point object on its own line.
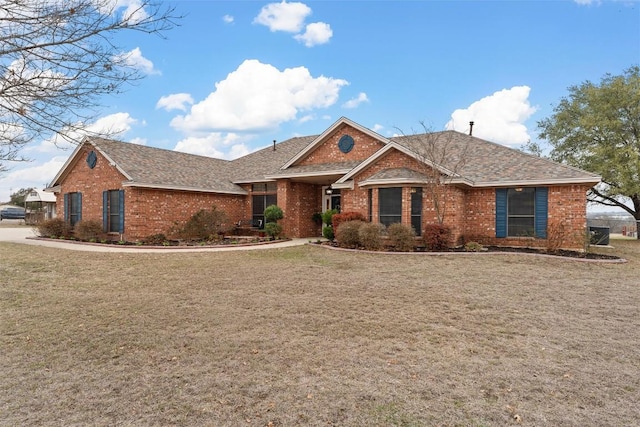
{"type": "Point", "coordinates": [238, 74]}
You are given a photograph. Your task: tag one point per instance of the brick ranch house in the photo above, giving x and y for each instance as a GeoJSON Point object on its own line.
{"type": "Point", "coordinates": [493, 194]}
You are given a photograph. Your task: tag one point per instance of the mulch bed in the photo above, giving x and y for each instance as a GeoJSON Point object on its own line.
{"type": "Point", "coordinates": [508, 249]}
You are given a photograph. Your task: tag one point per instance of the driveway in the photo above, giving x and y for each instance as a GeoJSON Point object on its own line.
{"type": "Point", "coordinates": [27, 236]}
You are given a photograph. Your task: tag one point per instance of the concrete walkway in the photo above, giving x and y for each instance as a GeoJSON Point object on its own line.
{"type": "Point", "coordinates": [28, 236]}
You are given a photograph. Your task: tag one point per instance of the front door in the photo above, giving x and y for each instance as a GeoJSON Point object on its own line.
{"type": "Point", "coordinates": [330, 199]}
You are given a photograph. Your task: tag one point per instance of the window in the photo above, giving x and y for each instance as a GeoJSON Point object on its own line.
{"type": "Point", "coordinates": [416, 210]}
{"type": "Point", "coordinates": [113, 211]}
{"type": "Point", "coordinates": [72, 208]}
{"type": "Point", "coordinates": [521, 212]}
{"type": "Point", "coordinates": [390, 205]}
{"type": "Point", "coordinates": [264, 195]}
{"type": "Point", "coordinates": [370, 202]}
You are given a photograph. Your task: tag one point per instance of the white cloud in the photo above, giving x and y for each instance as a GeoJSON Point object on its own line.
{"type": "Point", "coordinates": [283, 16]}
{"type": "Point", "coordinates": [228, 19]}
{"type": "Point", "coordinates": [139, 141]}
{"type": "Point", "coordinates": [315, 34]}
{"type": "Point", "coordinates": [587, 2]}
{"type": "Point", "coordinates": [133, 9]}
{"type": "Point", "coordinates": [135, 60]}
{"type": "Point", "coordinates": [258, 96]}
{"type": "Point", "coordinates": [37, 176]}
{"type": "Point", "coordinates": [215, 144]}
{"type": "Point", "coordinates": [499, 117]}
{"type": "Point", "coordinates": [176, 101]}
{"type": "Point", "coordinates": [377, 128]}
{"type": "Point", "coordinates": [355, 102]}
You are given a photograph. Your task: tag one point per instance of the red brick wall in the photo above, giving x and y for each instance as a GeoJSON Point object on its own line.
{"type": "Point", "coordinates": [566, 205]}
{"type": "Point", "coordinates": [299, 201]}
{"type": "Point", "coordinates": [151, 211]}
{"type": "Point", "coordinates": [147, 211]}
{"type": "Point", "coordinates": [328, 151]}
{"type": "Point", "coordinates": [90, 182]}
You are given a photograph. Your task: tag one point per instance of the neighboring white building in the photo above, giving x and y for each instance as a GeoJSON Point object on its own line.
{"type": "Point", "coordinates": [40, 205]}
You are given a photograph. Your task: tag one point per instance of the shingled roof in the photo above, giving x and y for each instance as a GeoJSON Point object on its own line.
{"type": "Point", "coordinates": [469, 160]}
{"type": "Point", "coordinates": [256, 166]}
{"type": "Point", "coordinates": [483, 163]}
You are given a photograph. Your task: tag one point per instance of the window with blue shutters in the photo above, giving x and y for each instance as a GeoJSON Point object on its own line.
{"type": "Point", "coordinates": [521, 212]}
{"type": "Point", "coordinates": [113, 211]}
{"type": "Point", "coordinates": [72, 208]}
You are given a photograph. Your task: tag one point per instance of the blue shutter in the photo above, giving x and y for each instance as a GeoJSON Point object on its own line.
{"type": "Point", "coordinates": [66, 207]}
{"type": "Point", "coordinates": [105, 211]}
{"type": "Point", "coordinates": [121, 210]}
{"type": "Point", "coordinates": [501, 212]}
{"type": "Point", "coordinates": [79, 206]}
{"type": "Point", "coordinates": [541, 212]}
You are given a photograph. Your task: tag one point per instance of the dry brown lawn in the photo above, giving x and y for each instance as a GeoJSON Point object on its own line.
{"type": "Point", "coordinates": [312, 336]}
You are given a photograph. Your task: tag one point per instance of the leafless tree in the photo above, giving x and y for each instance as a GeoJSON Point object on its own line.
{"type": "Point", "coordinates": [441, 157]}
{"type": "Point", "coordinates": [59, 57]}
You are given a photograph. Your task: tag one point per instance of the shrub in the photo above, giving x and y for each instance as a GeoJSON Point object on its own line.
{"type": "Point", "coordinates": [342, 217]}
{"type": "Point", "coordinates": [89, 229]}
{"type": "Point", "coordinates": [437, 237]}
{"type": "Point", "coordinates": [205, 225]}
{"type": "Point", "coordinates": [347, 234]}
{"type": "Point", "coordinates": [473, 247]}
{"type": "Point", "coordinates": [273, 213]}
{"type": "Point", "coordinates": [273, 229]}
{"type": "Point", "coordinates": [370, 235]}
{"type": "Point", "coordinates": [327, 232]}
{"type": "Point", "coordinates": [55, 227]}
{"type": "Point", "coordinates": [327, 216]}
{"type": "Point", "coordinates": [401, 237]}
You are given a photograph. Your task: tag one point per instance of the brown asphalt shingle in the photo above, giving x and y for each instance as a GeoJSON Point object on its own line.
{"type": "Point", "coordinates": [485, 161]}
{"type": "Point", "coordinates": [482, 162]}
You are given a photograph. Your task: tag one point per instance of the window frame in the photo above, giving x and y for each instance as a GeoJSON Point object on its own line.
{"type": "Point", "coordinates": [389, 205]}
{"type": "Point", "coordinates": [540, 212]}
{"type": "Point", "coordinates": [267, 194]}
{"type": "Point", "coordinates": [113, 218]}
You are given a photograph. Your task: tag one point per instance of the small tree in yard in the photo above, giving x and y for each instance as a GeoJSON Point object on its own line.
{"type": "Point", "coordinates": [441, 157]}
{"type": "Point", "coordinates": [272, 214]}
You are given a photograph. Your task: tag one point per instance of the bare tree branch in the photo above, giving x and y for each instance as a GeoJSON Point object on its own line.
{"type": "Point", "coordinates": [441, 160]}
{"type": "Point", "coordinates": [58, 58]}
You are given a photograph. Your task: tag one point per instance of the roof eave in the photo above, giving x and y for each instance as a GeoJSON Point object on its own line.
{"type": "Point", "coordinates": [309, 174]}
{"type": "Point", "coordinates": [538, 182]}
{"type": "Point", "coordinates": [181, 188]}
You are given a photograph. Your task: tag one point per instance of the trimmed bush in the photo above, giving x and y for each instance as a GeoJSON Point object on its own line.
{"type": "Point", "coordinates": [401, 237]}
{"type": "Point", "coordinates": [273, 229]}
{"type": "Point", "coordinates": [55, 227]}
{"type": "Point", "coordinates": [88, 230]}
{"type": "Point", "coordinates": [437, 237]}
{"type": "Point", "coordinates": [273, 213]}
{"type": "Point", "coordinates": [370, 235]}
{"type": "Point", "coordinates": [347, 234]}
{"type": "Point", "coordinates": [327, 216]}
{"type": "Point", "coordinates": [205, 225]}
{"type": "Point", "coordinates": [327, 232]}
{"type": "Point", "coordinates": [342, 217]}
